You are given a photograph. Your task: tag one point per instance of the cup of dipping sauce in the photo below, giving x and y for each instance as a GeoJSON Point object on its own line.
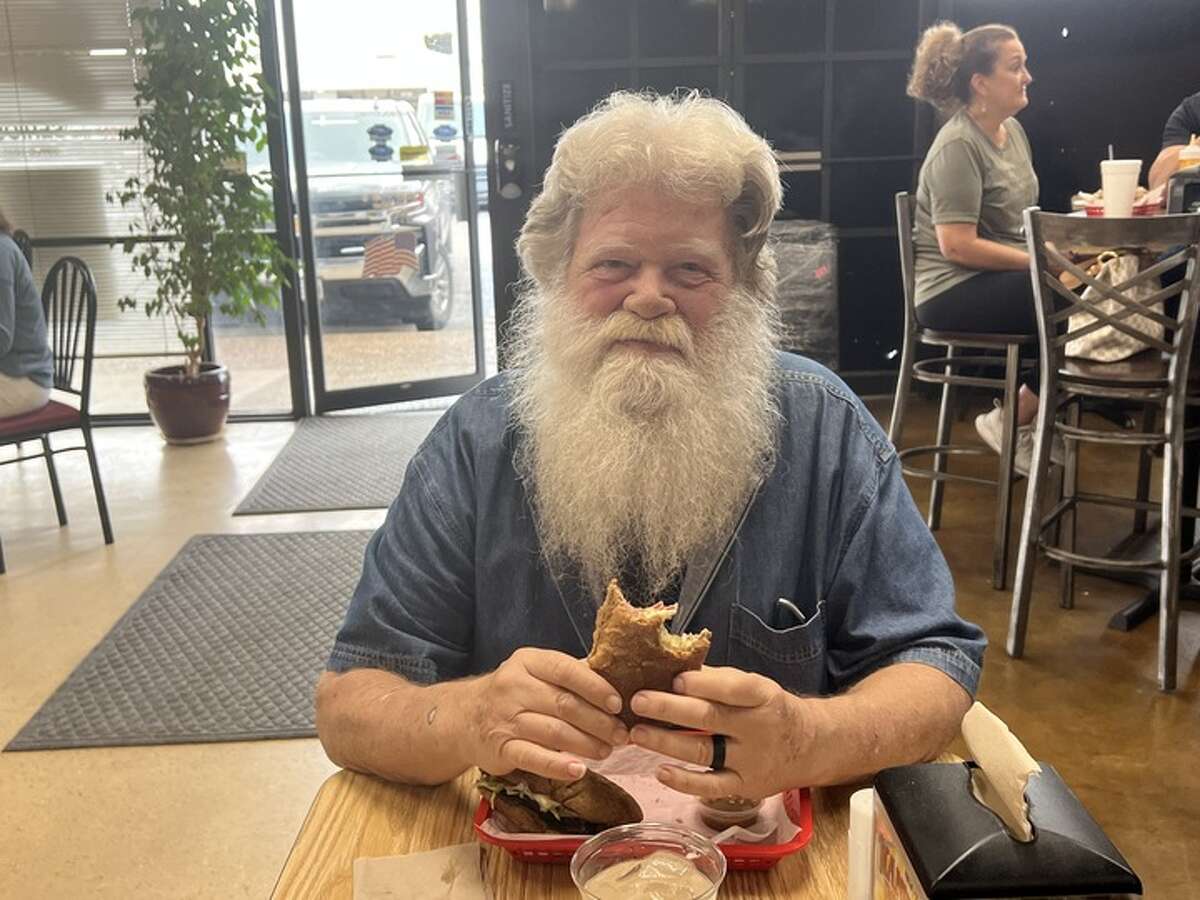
{"type": "Point", "coordinates": [648, 861]}
{"type": "Point", "coordinates": [720, 813]}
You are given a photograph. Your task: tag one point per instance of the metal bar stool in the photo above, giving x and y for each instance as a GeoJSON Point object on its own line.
{"type": "Point", "coordinates": [1157, 378]}
{"type": "Point", "coordinates": [944, 369]}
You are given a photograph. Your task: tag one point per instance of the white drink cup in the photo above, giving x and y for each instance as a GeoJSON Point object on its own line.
{"type": "Point", "coordinates": [1118, 180]}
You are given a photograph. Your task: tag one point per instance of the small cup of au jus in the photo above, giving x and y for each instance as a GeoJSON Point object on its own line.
{"type": "Point", "coordinates": [720, 813]}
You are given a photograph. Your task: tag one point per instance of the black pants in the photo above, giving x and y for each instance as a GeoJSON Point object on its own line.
{"type": "Point", "coordinates": [988, 303]}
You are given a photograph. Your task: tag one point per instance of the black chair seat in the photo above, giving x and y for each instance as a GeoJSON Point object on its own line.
{"type": "Point", "coordinates": [974, 338]}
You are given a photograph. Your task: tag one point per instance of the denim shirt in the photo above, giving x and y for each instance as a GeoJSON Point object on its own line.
{"type": "Point", "coordinates": [455, 581]}
{"type": "Point", "coordinates": [24, 346]}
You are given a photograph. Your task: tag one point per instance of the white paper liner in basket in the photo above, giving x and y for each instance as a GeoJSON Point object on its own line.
{"type": "Point", "coordinates": [632, 768]}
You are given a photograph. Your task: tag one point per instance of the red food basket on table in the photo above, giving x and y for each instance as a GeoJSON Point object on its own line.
{"type": "Point", "coordinates": [558, 851]}
{"type": "Point", "coordinates": [1143, 210]}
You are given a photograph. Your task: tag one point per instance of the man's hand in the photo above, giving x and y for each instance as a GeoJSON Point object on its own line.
{"type": "Point", "coordinates": [769, 739]}
{"type": "Point", "coordinates": [540, 711]}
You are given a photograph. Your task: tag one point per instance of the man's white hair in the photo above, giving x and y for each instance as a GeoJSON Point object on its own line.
{"type": "Point", "coordinates": [686, 146]}
{"type": "Point", "coordinates": [632, 459]}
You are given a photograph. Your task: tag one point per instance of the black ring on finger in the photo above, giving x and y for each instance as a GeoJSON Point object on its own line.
{"type": "Point", "coordinates": [718, 752]}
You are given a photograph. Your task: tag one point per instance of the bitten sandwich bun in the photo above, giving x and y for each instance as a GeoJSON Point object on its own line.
{"type": "Point", "coordinates": [530, 804]}
{"type": "Point", "coordinates": [633, 651]}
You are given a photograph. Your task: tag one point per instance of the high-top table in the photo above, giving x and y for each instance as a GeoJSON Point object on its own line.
{"type": "Point", "coordinates": [359, 816]}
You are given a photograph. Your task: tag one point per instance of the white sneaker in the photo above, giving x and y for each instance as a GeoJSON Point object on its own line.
{"type": "Point", "coordinates": [1023, 454]}
{"type": "Point", "coordinates": [990, 426]}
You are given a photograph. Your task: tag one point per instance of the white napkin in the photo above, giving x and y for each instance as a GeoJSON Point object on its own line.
{"type": "Point", "coordinates": [449, 873]}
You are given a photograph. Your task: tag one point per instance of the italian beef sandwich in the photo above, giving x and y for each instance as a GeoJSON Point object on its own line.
{"type": "Point", "coordinates": [633, 651]}
{"type": "Point", "coordinates": [531, 804]}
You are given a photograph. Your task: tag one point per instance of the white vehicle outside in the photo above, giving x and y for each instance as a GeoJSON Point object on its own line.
{"type": "Point", "coordinates": [382, 213]}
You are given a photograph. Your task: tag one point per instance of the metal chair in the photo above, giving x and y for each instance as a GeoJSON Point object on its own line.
{"type": "Point", "coordinates": [943, 369]}
{"type": "Point", "coordinates": [24, 244]}
{"type": "Point", "coordinates": [1158, 378]}
{"type": "Point", "coordinates": [69, 302]}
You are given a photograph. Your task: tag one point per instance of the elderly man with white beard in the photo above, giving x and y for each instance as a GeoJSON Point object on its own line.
{"type": "Point", "coordinates": [649, 430]}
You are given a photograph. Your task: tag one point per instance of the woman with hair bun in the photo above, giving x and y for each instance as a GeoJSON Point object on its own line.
{"type": "Point", "coordinates": [972, 270]}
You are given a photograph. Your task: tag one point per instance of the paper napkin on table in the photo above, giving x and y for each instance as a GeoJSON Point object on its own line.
{"type": "Point", "coordinates": [450, 873]}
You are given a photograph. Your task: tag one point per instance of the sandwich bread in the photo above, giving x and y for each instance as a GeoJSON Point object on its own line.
{"type": "Point", "coordinates": [633, 650]}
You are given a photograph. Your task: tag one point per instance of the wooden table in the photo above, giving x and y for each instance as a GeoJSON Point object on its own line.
{"type": "Point", "coordinates": [356, 815]}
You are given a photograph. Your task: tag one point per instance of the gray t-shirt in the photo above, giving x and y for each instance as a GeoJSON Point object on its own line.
{"type": "Point", "coordinates": [24, 348]}
{"type": "Point", "coordinates": [967, 179]}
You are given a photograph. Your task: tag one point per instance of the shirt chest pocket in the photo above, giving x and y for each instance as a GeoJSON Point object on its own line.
{"type": "Point", "coordinates": [794, 657]}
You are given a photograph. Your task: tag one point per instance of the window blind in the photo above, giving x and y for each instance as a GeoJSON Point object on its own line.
{"type": "Point", "coordinates": [66, 91]}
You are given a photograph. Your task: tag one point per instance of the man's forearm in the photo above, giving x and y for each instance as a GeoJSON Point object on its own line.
{"type": "Point", "coordinates": [1164, 166]}
{"type": "Point", "coordinates": [901, 714]}
{"type": "Point", "coordinates": [375, 721]}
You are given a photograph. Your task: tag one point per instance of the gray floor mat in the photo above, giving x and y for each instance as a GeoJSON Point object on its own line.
{"type": "Point", "coordinates": [340, 462]}
{"type": "Point", "coordinates": [225, 645]}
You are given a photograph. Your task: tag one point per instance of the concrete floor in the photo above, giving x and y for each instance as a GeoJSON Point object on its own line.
{"type": "Point", "coordinates": [202, 820]}
{"type": "Point", "coordinates": [217, 820]}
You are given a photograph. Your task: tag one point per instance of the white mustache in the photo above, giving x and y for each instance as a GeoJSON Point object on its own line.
{"type": "Point", "coordinates": [667, 331]}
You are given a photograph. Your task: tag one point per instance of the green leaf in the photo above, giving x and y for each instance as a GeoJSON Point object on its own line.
{"type": "Point", "coordinates": [197, 106]}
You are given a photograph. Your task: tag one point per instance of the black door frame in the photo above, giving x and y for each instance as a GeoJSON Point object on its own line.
{"type": "Point", "coordinates": [285, 234]}
{"type": "Point", "coordinates": [325, 400]}
{"type": "Point", "coordinates": [508, 92]}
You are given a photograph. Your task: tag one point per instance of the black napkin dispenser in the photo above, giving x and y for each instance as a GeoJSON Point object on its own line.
{"type": "Point", "coordinates": [934, 840]}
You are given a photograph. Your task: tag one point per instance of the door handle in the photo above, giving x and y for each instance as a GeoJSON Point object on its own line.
{"type": "Point", "coordinates": [508, 169]}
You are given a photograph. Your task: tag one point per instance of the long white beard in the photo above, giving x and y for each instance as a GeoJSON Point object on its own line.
{"type": "Point", "coordinates": [630, 455]}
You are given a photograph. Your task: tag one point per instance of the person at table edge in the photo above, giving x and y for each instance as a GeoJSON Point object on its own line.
{"type": "Point", "coordinates": [1183, 123]}
{"type": "Point", "coordinates": [970, 264]}
{"type": "Point", "coordinates": [26, 363]}
{"type": "Point", "coordinates": [647, 417]}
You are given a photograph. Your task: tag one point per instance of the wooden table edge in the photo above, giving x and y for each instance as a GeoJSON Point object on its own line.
{"type": "Point", "coordinates": [300, 832]}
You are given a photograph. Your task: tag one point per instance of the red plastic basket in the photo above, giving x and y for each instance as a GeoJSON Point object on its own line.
{"type": "Point", "coordinates": [1094, 211]}
{"type": "Point", "coordinates": [796, 803]}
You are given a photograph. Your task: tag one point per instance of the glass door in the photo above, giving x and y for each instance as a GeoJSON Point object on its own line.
{"type": "Point", "coordinates": [388, 195]}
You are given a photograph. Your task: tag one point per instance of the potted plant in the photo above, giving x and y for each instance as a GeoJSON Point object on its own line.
{"type": "Point", "coordinates": [200, 99]}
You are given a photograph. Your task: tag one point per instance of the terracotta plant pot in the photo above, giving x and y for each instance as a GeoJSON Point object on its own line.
{"type": "Point", "coordinates": [188, 411]}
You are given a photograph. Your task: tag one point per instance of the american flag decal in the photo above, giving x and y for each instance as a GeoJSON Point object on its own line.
{"type": "Point", "coordinates": [386, 256]}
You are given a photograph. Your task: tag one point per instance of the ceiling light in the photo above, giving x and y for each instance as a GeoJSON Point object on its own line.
{"type": "Point", "coordinates": [108, 51]}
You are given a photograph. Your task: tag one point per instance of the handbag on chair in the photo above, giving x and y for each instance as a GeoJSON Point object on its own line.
{"type": "Point", "coordinates": [1109, 344]}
